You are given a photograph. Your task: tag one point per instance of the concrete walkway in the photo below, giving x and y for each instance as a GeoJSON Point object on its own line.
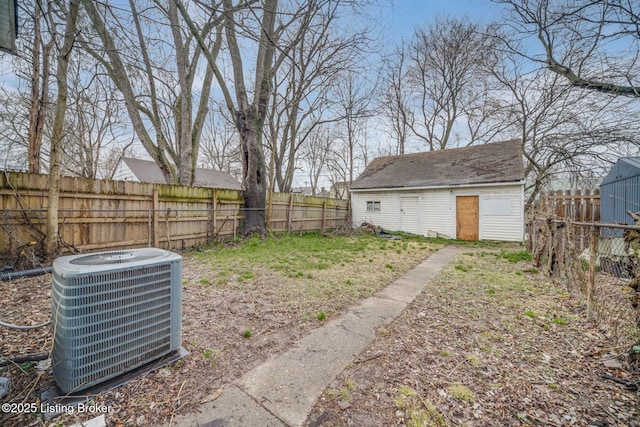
{"type": "Point", "coordinates": [283, 390]}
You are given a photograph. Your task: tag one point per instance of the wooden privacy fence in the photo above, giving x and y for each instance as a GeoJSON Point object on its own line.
{"type": "Point", "coordinates": [575, 205]}
{"type": "Point", "coordinates": [103, 214]}
{"type": "Point", "coordinates": [296, 213]}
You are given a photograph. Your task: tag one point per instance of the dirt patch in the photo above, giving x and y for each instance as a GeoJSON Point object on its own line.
{"type": "Point", "coordinates": [488, 343]}
{"type": "Point", "coordinates": [277, 305]}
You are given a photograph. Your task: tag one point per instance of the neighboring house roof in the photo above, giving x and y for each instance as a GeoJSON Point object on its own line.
{"type": "Point", "coordinates": [624, 168]}
{"type": "Point", "coordinates": [478, 164]}
{"type": "Point", "coordinates": [148, 171]}
{"type": "Point", "coordinates": [305, 191]}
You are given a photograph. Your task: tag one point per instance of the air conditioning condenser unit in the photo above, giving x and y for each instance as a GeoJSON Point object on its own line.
{"type": "Point", "coordinates": [113, 312]}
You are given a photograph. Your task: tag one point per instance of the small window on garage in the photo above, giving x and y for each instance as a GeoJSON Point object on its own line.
{"type": "Point", "coordinates": [373, 206]}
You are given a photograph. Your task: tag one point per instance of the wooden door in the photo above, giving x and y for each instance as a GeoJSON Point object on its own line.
{"type": "Point", "coordinates": [467, 218]}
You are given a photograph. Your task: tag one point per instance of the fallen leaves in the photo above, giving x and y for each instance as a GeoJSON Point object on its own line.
{"type": "Point", "coordinates": [276, 308]}
{"type": "Point", "coordinates": [494, 345]}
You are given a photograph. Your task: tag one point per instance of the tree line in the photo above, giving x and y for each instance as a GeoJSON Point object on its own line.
{"type": "Point", "coordinates": [266, 89]}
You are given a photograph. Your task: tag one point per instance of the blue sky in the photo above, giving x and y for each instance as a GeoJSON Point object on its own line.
{"type": "Point", "coordinates": [406, 15]}
{"type": "Point", "coordinates": [397, 21]}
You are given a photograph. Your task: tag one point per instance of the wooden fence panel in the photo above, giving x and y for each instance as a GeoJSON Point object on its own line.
{"type": "Point", "coordinates": [102, 214]}
{"type": "Point", "coordinates": [576, 205]}
{"type": "Point", "coordinates": [298, 213]}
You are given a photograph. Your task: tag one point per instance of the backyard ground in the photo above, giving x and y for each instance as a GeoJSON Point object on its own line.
{"type": "Point", "coordinates": [490, 342]}
{"type": "Point", "coordinates": [242, 303]}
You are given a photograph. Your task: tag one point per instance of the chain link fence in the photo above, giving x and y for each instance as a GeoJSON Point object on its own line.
{"type": "Point", "coordinates": [97, 215]}
{"type": "Point", "coordinates": [22, 232]}
{"type": "Point", "coordinates": [85, 229]}
{"type": "Point", "coordinates": [596, 262]}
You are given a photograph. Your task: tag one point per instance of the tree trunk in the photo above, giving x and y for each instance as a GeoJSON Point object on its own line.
{"type": "Point", "coordinates": [118, 73]}
{"type": "Point", "coordinates": [39, 93]}
{"type": "Point", "coordinates": [254, 177]}
{"type": "Point", "coordinates": [185, 161]}
{"type": "Point", "coordinates": [52, 241]}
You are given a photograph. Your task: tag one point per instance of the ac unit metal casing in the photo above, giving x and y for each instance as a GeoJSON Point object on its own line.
{"type": "Point", "coordinates": [113, 312]}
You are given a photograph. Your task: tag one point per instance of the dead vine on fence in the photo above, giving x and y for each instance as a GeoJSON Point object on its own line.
{"type": "Point", "coordinates": [596, 262]}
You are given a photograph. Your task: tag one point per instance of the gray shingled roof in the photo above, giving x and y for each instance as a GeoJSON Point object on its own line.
{"type": "Point", "coordinates": [478, 164]}
{"type": "Point", "coordinates": [148, 171]}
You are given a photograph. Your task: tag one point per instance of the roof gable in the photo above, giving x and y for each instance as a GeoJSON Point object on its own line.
{"type": "Point", "coordinates": [622, 169]}
{"type": "Point", "coordinates": [478, 164]}
{"type": "Point", "coordinates": [149, 171]}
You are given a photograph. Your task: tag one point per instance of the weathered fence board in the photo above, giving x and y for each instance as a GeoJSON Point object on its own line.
{"type": "Point", "coordinates": [576, 205]}
{"type": "Point", "coordinates": [104, 214]}
{"type": "Point", "coordinates": [298, 213]}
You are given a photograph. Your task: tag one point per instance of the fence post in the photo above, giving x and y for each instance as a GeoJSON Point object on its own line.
{"type": "Point", "coordinates": [593, 242]}
{"type": "Point", "coordinates": [214, 215]}
{"type": "Point", "coordinates": [324, 216]}
{"type": "Point", "coordinates": [235, 225]}
{"type": "Point", "coordinates": [155, 218]}
{"type": "Point", "coordinates": [290, 213]}
{"type": "Point", "coordinates": [269, 212]}
{"type": "Point", "coordinates": [551, 254]}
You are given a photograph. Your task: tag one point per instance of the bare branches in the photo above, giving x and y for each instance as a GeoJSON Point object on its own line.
{"type": "Point", "coordinates": [447, 80]}
{"type": "Point", "coordinates": [592, 44]}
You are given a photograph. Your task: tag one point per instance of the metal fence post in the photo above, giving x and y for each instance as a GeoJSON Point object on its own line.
{"type": "Point", "coordinates": [593, 242]}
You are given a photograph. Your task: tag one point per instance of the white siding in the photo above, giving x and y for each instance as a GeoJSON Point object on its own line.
{"type": "Point", "coordinates": [433, 212]}
{"type": "Point", "coordinates": [439, 219]}
{"type": "Point", "coordinates": [389, 209]}
{"type": "Point", "coordinates": [123, 173]}
{"type": "Point", "coordinates": [502, 213]}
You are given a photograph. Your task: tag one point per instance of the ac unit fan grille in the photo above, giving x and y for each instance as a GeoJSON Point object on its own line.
{"type": "Point", "coordinates": [108, 323]}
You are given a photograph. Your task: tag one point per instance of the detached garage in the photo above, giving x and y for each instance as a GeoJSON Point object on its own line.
{"type": "Point", "coordinates": [470, 193]}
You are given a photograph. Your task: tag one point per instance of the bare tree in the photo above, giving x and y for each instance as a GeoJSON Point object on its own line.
{"type": "Point", "coordinates": [339, 165]}
{"type": "Point", "coordinates": [448, 77]}
{"type": "Point", "coordinates": [14, 144]}
{"type": "Point", "coordinates": [94, 125]}
{"type": "Point", "coordinates": [248, 108]}
{"type": "Point", "coordinates": [302, 82]}
{"type": "Point", "coordinates": [220, 148]}
{"type": "Point", "coordinates": [565, 133]}
{"type": "Point", "coordinates": [157, 78]}
{"type": "Point", "coordinates": [41, 51]}
{"type": "Point", "coordinates": [317, 152]}
{"type": "Point", "coordinates": [29, 104]}
{"type": "Point", "coordinates": [353, 94]}
{"type": "Point", "coordinates": [95, 111]}
{"type": "Point", "coordinates": [593, 44]}
{"type": "Point", "coordinates": [395, 97]}
{"type": "Point", "coordinates": [52, 239]}
{"type": "Point", "coordinates": [268, 33]}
